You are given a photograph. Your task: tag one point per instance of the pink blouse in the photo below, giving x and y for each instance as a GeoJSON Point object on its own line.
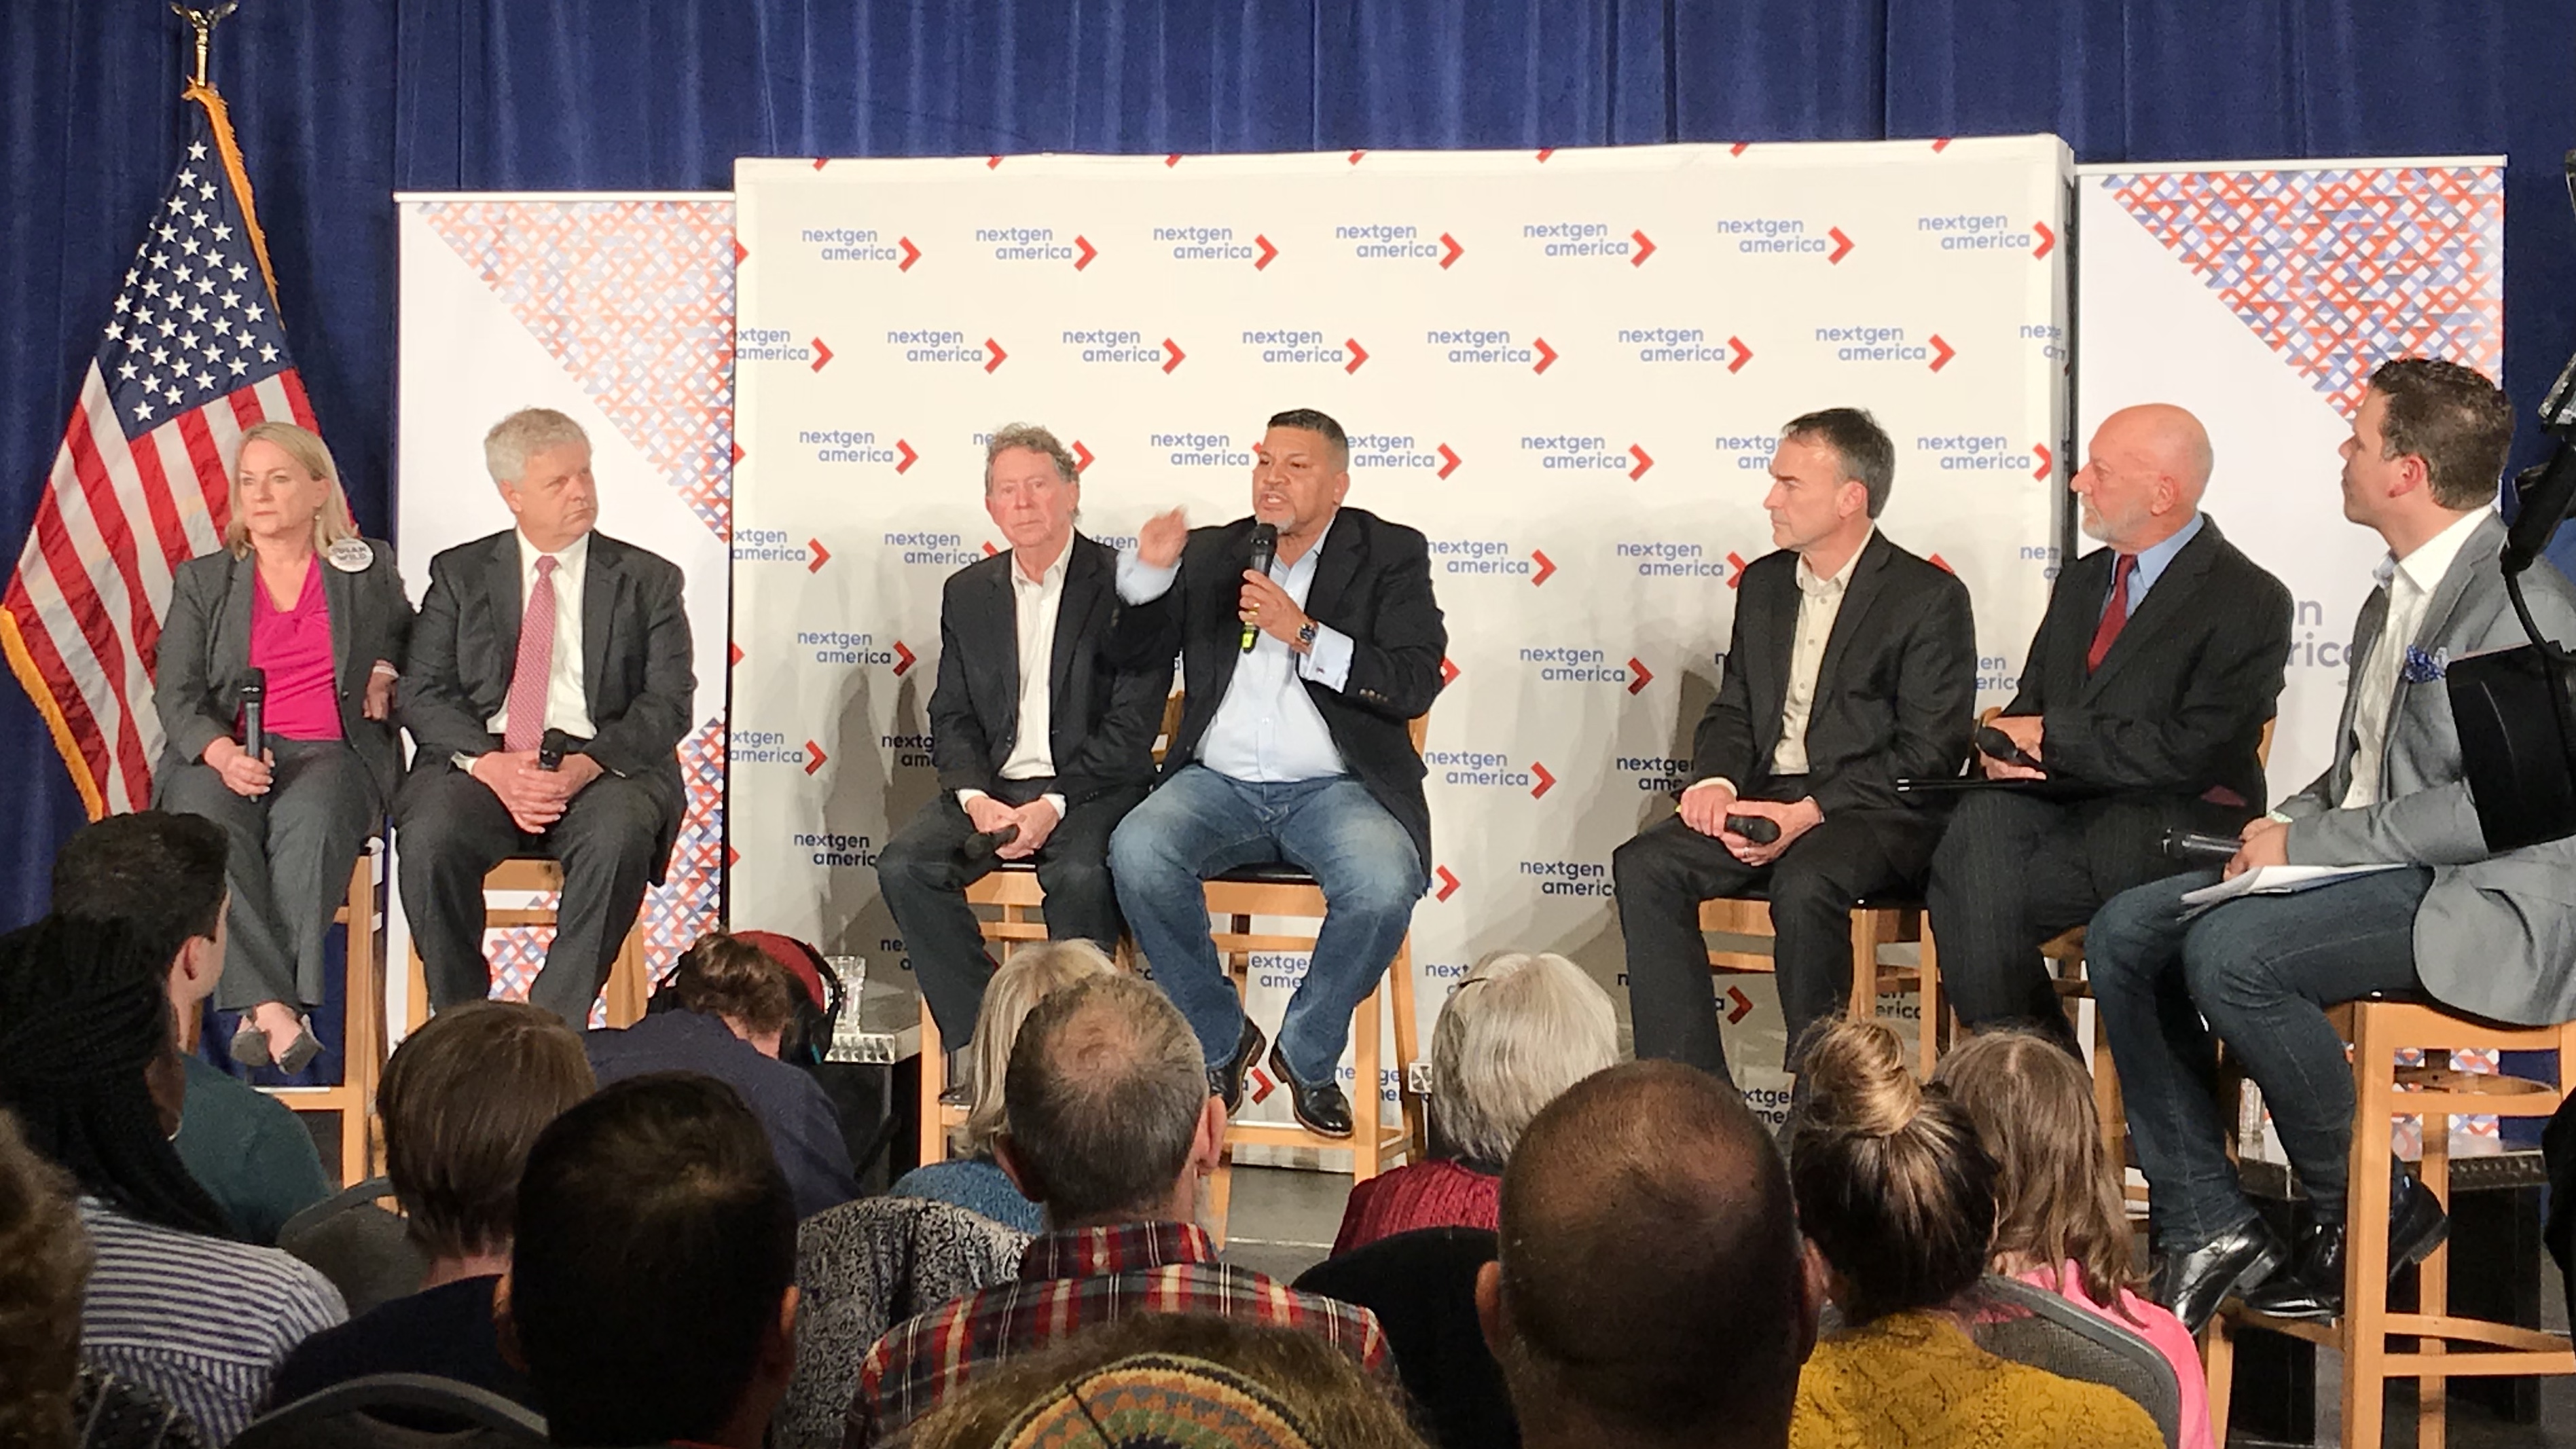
{"type": "Point", "coordinates": [293, 647]}
{"type": "Point", "coordinates": [2156, 1325]}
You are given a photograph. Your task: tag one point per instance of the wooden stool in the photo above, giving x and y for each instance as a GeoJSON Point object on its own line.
{"type": "Point", "coordinates": [1013, 888]}
{"type": "Point", "coordinates": [362, 1025]}
{"type": "Point", "coordinates": [2384, 1091]}
{"type": "Point", "coordinates": [1873, 924]}
{"type": "Point", "coordinates": [630, 982]}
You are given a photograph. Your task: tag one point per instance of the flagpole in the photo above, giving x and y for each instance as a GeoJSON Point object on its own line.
{"type": "Point", "coordinates": [203, 21]}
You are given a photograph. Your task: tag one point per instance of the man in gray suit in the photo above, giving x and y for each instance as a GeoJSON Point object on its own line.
{"type": "Point", "coordinates": [548, 689]}
{"type": "Point", "coordinates": [2488, 933]}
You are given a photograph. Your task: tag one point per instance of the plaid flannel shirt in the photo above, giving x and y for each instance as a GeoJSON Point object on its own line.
{"type": "Point", "coordinates": [1070, 1281]}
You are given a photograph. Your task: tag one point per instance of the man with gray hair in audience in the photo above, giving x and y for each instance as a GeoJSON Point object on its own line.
{"type": "Point", "coordinates": [1111, 1129]}
{"type": "Point", "coordinates": [547, 692]}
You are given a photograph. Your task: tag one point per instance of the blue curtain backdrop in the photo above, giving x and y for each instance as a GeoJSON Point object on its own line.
{"type": "Point", "coordinates": [338, 104]}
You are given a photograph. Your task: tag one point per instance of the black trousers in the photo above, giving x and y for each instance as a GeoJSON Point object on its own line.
{"type": "Point", "coordinates": [924, 873]}
{"type": "Point", "coordinates": [454, 830]}
{"type": "Point", "coordinates": [1664, 872]}
{"type": "Point", "coordinates": [2014, 870]}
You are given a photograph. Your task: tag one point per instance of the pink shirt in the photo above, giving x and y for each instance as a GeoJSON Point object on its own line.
{"type": "Point", "coordinates": [294, 648]}
{"type": "Point", "coordinates": [2157, 1326]}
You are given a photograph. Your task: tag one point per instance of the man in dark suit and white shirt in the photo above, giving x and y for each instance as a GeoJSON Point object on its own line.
{"type": "Point", "coordinates": [1293, 747]}
{"type": "Point", "coordinates": [1852, 663]}
{"type": "Point", "coordinates": [544, 637]}
{"type": "Point", "coordinates": [2490, 933]}
{"type": "Point", "coordinates": [1033, 730]}
{"type": "Point", "coordinates": [2143, 699]}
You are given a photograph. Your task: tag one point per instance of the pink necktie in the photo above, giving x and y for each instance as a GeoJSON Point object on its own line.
{"type": "Point", "coordinates": [527, 720]}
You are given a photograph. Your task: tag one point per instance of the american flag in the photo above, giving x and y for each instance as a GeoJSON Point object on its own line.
{"type": "Point", "coordinates": [192, 355]}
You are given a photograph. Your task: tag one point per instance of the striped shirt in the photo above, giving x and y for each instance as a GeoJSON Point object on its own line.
{"type": "Point", "coordinates": [203, 1320]}
{"type": "Point", "coordinates": [1074, 1280]}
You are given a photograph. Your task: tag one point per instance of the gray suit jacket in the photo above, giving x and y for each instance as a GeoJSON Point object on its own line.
{"type": "Point", "coordinates": [204, 658]}
{"type": "Point", "coordinates": [2496, 935]}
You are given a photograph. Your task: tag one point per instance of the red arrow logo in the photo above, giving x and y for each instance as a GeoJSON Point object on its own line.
{"type": "Point", "coordinates": [733, 653]}
{"type": "Point", "coordinates": [1645, 248]}
{"type": "Point", "coordinates": [1741, 354]}
{"type": "Point", "coordinates": [1172, 160]}
{"type": "Point", "coordinates": [1546, 354]}
{"type": "Point", "coordinates": [911, 254]}
{"type": "Point", "coordinates": [821, 554]}
{"type": "Point", "coordinates": [1546, 781]}
{"type": "Point", "coordinates": [989, 550]}
{"type": "Point", "coordinates": [1081, 458]}
{"type": "Point", "coordinates": [732, 856]}
{"type": "Point", "coordinates": [1734, 570]}
{"type": "Point", "coordinates": [741, 253]}
{"type": "Point", "coordinates": [1448, 672]}
{"type": "Point", "coordinates": [1546, 151]}
{"type": "Point", "coordinates": [1546, 567]}
{"type": "Point", "coordinates": [1267, 252]}
{"type": "Point", "coordinates": [1943, 564]}
{"type": "Point", "coordinates": [819, 160]}
{"type": "Point", "coordinates": [1940, 144]}
{"type": "Point", "coordinates": [1842, 246]}
{"type": "Point", "coordinates": [1359, 354]}
{"type": "Point", "coordinates": [1448, 462]}
{"type": "Point", "coordinates": [909, 456]}
{"type": "Point", "coordinates": [1448, 883]}
{"type": "Point", "coordinates": [737, 453]}
{"type": "Point", "coordinates": [814, 757]}
{"type": "Point", "coordinates": [822, 354]}
{"type": "Point", "coordinates": [1173, 356]}
{"type": "Point", "coordinates": [1639, 675]}
{"type": "Point", "coordinates": [1262, 1086]}
{"type": "Point", "coordinates": [1455, 251]}
{"type": "Point", "coordinates": [2047, 240]}
{"type": "Point", "coordinates": [999, 356]}
{"type": "Point", "coordinates": [1737, 1004]}
{"type": "Point", "coordinates": [2047, 460]}
{"type": "Point", "coordinates": [1088, 252]}
{"type": "Point", "coordinates": [992, 163]}
{"type": "Point", "coordinates": [1738, 148]}
{"type": "Point", "coordinates": [903, 658]}
{"type": "Point", "coordinates": [1643, 462]}
{"type": "Point", "coordinates": [1942, 352]}
{"type": "Point", "coordinates": [1355, 157]}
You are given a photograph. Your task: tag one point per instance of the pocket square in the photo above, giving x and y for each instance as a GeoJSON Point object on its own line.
{"type": "Point", "coordinates": [2423, 668]}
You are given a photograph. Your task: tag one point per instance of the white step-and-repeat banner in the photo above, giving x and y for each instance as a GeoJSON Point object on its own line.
{"type": "Point", "coordinates": [1567, 369]}
{"type": "Point", "coordinates": [617, 310]}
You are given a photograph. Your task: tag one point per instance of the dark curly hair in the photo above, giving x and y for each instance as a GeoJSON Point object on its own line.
{"type": "Point", "coordinates": [44, 1261]}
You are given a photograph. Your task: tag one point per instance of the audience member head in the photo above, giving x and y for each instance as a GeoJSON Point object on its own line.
{"type": "Point", "coordinates": [540, 460]}
{"type": "Point", "coordinates": [285, 485]}
{"type": "Point", "coordinates": [2143, 476]}
{"type": "Point", "coordinates": [89, 1062]}
{"type": "Point", "coordinates": [1650, 1288]}
{"type": "Point", "coordinates": [651, 1293]}
{"type": "Point", "coordinates": [1520, 1029]}
{"type": "Point", "coordinates": [1893, 1189]}
{"type": "Point", "coordinates": [1830, 474]}
{"type": "Point", "coordinates": [44, 1262]}
{"type": "Point", "coordinates": [1023, 982]}
{"type": "Point", "coordinates": [733, 980]}
{"type": "Point", "coordinates": [1108, 1112]}
{"type": "Point", "coordinates": [1275, 1388]}
{"type": "Point", "coordinates": [163, 876]}
{"type": "Point", "coordinates": [2057, 1199]}
{"type": "Point", "coordinates": [463, 1100]}
{"type": "Point", "coordinates": [2428, 444]}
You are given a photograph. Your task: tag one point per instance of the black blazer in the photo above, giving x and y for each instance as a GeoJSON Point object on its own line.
{"type": "Point", "coordinates": [2178, 707]}
{"type": "Point", "coordinates": [204, 659]}
{"type": "Point", "coordinates": [1895, 696]}
{"type": "Point", "coordinates": [635, 663]}
{"type": "Point", "coordinates": [1373, 583]}
{"type": "Point", "coordinates": [1101, 719]}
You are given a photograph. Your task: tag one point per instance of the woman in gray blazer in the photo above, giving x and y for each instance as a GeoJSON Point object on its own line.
{"type": "Point", "coordinates": [298, 603]}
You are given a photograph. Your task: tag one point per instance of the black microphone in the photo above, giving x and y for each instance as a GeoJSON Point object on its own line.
{"type": "Point", "coordinates": [2000, 745]}
{"type": "Point", "coordinates": [2199, 849]}
{"type": "Point", "coordinates": [254, 696]}
{"type": "Point", "coordinates": [552, 748]}
{"type": "Point", "coordinates": [1265, 547]}
{"type": "Point", "coordinates": [984, 844]}
{"type": "Point", "coordinates": [1760, 829]}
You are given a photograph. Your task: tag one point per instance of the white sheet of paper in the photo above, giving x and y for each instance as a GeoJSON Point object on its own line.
{"type": "Point", "coordinates": [2277, 880]}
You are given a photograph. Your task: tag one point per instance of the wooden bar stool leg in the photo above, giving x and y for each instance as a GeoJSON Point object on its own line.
{"type": "Point", "coordinates": [2108, 1110]}
{"type": "Point", "coordinates": [1863, 1002]}
{"type": "Point", "coordinates": [2433, 1293]}
{"type": "Point", "coordinates": [1928, 1000]}
{"type": "Point", "coordinates": [933, 1145]}
{"type": "Point", "coordinates": [1220, 1193]}
{"type": "Point", "coordinates": [2365, 1274]}
{"type": "Point", "coordinates": [2218, 1366]}
{"type": "Point", "coordinates": [1368, 1136]}
{"type": "Point", "coordinates": [1407, 1046]}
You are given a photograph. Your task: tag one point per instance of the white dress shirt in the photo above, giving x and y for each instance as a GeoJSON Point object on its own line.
{"type": "Point", "coordinates": [2410, 583]}
{"type": "Point", "coordinates": [567, 706]}
{"type": "Point", "coordinates": [1036, 604]}
{"type": "Point", "coordinates": [1820, 602]}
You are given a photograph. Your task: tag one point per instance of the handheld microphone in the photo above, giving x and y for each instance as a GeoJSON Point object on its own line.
{"type": "Point", "coordinates": [2000, 745]}
{"type": "Point", "coordinates": [1265, 548]}
{"type": "Point", "coordinates": [984, 844]}
{"type": "Point", "coordinates": [2199, 849]}
{"type": "Point", "coordinates": [254, 696]}
{"type": "Point", "coordinates": [551, 750]}
{"type": "Point", "coordinates": [1760, 829]}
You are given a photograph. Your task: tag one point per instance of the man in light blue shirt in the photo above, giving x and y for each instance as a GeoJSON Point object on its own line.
{"type": "Point", "coordinates": [1294, 746]}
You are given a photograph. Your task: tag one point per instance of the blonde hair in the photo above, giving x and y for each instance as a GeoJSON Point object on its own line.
{"type": "Point", "coordinates": [1015, 990]}
{"type": "Point", "coordinates": [2057, 1196]}
{"type": "Point", "coordinates": [1519, 1030]}
{"type": "Point", "coordinates": [523, 434]}
{"type": "Point", "coordinates": [332, 524]}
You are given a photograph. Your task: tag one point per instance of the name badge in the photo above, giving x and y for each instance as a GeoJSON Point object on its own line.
{"type": "Point", "coordinates": [352, 555]}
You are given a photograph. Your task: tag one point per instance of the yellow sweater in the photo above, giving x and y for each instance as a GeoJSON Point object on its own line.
{"type": "Point", "coordinates": [1917, 1379]}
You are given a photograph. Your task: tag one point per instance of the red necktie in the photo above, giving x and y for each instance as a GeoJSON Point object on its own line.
{"type": "Point", "coordinates": [527, 718]}
{"type": "Point", "coordinates": [2114, 614]}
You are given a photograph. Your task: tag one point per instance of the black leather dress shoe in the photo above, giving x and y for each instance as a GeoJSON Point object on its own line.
{"type": "Point", "coordinates": [1225, 1078]}
{"type": "Point", "coordinates": [2194, 1282]}
{"type": "Point", "coordinates": [2313, 1288]}
{"type": "Point", "coordinates": [1321, 1108]}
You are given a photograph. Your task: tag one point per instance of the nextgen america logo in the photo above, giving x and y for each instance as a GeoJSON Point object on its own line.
{"type": "Point", "coordinates": [1569, 877]}
{"type": "Point", "coordinates": [840, 646]}
{"type": "Point", "coordinates": [847, 244]}
{"type": "Point", "coordinates": [931, 546]}
{"type": "Point", "coordinates": [1199, 450]}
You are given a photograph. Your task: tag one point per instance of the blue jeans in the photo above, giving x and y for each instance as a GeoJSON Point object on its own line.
{"type": "Point", "coordinates": [1200, 824]}
{"type": "Point", "coordinates": [2257, 973]}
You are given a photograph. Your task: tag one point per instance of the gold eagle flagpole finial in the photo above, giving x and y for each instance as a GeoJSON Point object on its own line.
{"type": "Point", "coordinates": [203, 20]}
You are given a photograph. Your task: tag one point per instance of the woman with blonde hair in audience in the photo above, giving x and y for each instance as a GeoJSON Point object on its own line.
{"type": "Point", "coordinates": [2060, 1221]}
{"type": "Point", "coordinates": [1520, 1029]}
{"type": "Point", "coordinates": [974, 1181]}
{"type": "Point", "coordinates": [1896, 1198]}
